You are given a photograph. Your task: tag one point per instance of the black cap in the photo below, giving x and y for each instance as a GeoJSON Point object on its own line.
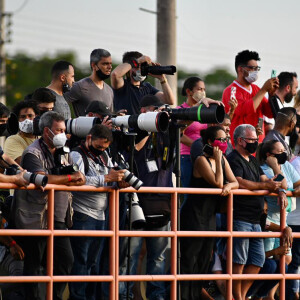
{"type": "Point", "coordinates": [98, 108]}
{"type": "Point", "coordinates": [150, 100]}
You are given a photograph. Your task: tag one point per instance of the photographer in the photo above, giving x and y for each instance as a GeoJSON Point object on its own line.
{"type": "Point", "coordinates": [90, 207]}
{"type": "Point", "coordinates": [30, 206]}
{"type": "Point", "coordinates": [129, 92]}
{"type": "Point", "coordinates": [153, 172]}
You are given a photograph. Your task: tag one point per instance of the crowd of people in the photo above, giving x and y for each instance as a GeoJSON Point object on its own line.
{"type": "Point", "coordinates": [255, 147]}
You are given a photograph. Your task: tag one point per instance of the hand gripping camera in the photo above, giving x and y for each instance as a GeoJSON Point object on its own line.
{"type": "Point", "coordinates": [37, 179]}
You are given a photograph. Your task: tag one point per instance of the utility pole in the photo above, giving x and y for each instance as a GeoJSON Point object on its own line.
{"type": "Point", "coordinates": [2, 54]}
{"type": "Point", "coordinates": [166, 38]}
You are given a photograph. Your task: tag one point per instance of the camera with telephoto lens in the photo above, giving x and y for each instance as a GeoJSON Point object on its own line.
{"type": "Point", "coordinates": [37, 179]}
{"type": "Point", "coordinates": [213, 114]}
{"type": "Point", "coordinates": [129, 177]}
{"type": "Point", "coordinates": [149, 121]}
{"type": "Point", "coordinates": [79, 127]}
{"type": "Point", "coordinates": [137, 218]}
{"type": "Point", "coordinates": [157, 70]}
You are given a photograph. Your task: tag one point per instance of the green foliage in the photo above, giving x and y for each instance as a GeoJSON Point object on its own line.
{"type": "Point", "coordinates": [25, 74]}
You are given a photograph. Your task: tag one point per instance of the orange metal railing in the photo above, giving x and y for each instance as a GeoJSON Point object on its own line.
{"type": "Point", "coordinates": [114, 233]}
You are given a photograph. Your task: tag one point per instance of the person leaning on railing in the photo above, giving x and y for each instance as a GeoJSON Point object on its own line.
{"type": "Point", "coordinates": [198, 213]}
{"type": "Point", "coordinates": [248, 254]}
{"type": "Point", "coordinates": [272, 157]}
{"type": "Point", "coordinates": [30, 206]}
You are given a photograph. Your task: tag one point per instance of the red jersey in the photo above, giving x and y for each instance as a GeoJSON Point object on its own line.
{"type": "Point", "coordinates": [245, 112]}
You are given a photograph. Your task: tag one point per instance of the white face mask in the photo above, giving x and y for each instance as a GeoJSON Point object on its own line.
{"type": "Point", "coordinates": [252, 76]}
{"type": "Point", "coordinates": [138, 76]}
{"type": "Point", "coordinates": [26, 126]}
{"type": "Point", "coordinates": [59, 140]}
{"type": "Point", "coordinates": [199, 95]}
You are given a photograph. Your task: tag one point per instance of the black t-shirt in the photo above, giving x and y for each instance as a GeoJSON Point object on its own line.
{"type": "Point", "coordinates": [246, 208]}
{"type": "Point", "coordinates": [129, 96]}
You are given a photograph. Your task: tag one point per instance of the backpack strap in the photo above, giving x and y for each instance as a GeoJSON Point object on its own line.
{"type": "Point", "coordinates": [84, 158]}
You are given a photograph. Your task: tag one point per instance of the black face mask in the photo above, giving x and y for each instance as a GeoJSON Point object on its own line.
{"type": "Point", "coordinates": [281, 158]}
{"type": "Point", "coordinates": [65, 88]}
{"type": "Point", "coordinates": [251, 147]}
{"type": "Point", "coordinates": [95, 151]}
{"type": "Point", "coordinates": [101, 75]}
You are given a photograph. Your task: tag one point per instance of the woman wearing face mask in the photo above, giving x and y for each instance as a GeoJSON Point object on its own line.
{"type": "Point", "coordinates": [272, 157]}
{"type": "Point", "coordinates": [194, 90]}
{"type": "Point", "coordinates": [198, 213]}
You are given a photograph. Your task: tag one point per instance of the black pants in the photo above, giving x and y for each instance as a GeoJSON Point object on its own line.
{"type": "Point", "coordinates": [195, 258]}
{"type": "Point", "coordinates": [35, 249]}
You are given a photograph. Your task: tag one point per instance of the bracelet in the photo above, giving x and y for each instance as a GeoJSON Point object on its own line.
{"type": "Point", "coordinates": [69, 177]}
{"type": "Point", "coordinates": [282, 190]}
{"type": "Point", "coordinates": [164, 81]}
{"type": "Point", "coordinates": [12, 243]}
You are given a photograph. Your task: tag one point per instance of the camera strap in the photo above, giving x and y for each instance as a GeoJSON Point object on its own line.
{"type": "Point", "coordinates": [100, 160]}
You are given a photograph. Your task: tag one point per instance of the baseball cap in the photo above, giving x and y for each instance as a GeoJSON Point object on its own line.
{"type": "Point", "coordinates": [150, 100]}
{"type": "Point", "coordinates": [98, 108]}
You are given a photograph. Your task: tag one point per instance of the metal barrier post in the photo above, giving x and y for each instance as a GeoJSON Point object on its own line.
{"type": "Point", "coordinates": [229, 245]}
{"type": "Point", "coordinates": [116, 240]}
{"type": "Point", "coordinates": [112, 244]}
{"type": "Point", "coordinates": [50, 244]}
{"type": "Point", "coordinates": [174, 217]}
{"type": "Point", "coordinates": [282, 257]}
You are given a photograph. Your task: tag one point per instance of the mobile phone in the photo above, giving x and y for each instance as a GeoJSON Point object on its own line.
{"type": "Point", "coordinates": [260, 122]}
{"type": "Point", "coordinates": [273, 73]}
{"type": "Point", "coordinates": [209, 150]}
{"type": "Point", "coordinates": [279, 177]}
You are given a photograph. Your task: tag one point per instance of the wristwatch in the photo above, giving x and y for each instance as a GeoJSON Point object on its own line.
{"type": "Point", "coordinates": [282, 190]}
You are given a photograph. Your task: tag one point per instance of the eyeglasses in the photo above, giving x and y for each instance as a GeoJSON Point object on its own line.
{"type": "Point", "coordinates": [253, 68]}
{"type": "Point", "coordinates": [252, 140]}
{"type": "Point", "coordinates": [222, 140]}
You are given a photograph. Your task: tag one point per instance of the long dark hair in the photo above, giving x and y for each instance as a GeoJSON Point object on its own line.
{"type": "Point", "coordinates": [263, 149]}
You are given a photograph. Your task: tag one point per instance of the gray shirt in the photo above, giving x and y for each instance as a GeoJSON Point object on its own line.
{"type": "Point", "coordinates": [92, 204]}
{"type": "Point", "coordinates": [84, 91]}
{"type": "Point", "coordinates": [35, 160]}
{"type": "Point", "coordinates": [61, 106]}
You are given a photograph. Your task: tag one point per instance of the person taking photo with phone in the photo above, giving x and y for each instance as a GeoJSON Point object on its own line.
{"type": "Point", "coordinates": [198, 213]}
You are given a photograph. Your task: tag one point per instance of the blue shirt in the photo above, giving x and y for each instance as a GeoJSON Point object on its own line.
{"type": "Point", "coordinates": [291, 176]}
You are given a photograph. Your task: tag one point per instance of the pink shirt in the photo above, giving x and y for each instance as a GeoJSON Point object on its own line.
{"type": "Point", "coordinates": [192, 131]}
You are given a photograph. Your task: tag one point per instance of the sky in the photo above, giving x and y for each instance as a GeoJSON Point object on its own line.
{"type": "Point", "coordinates": [209, 32]}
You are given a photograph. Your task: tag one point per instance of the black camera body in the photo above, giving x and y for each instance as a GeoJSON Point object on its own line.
{"type": "Point", "coordinates": [65, 170]}
{"type": "Point", "coordinates": [157, 70]}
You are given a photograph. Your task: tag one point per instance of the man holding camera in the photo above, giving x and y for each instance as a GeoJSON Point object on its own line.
{"type": "Point", "coordinates": [93, 87]}
{"type": "Point", "coordinates": [89, 208]}
{"type": "Point", "coordinates": [153, 170]}
{"type": "Point", "coordinates": [128, 92]}
{"type": "Point", "coordinates": [30, 206]}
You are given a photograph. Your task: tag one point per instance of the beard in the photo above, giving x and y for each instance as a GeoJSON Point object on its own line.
{"type": "Point", "coordinates": [288, 97]}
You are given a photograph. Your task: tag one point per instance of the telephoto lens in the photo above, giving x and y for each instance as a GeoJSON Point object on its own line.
{"type": "Point", "coordinates": [37, 179]}
{"type": "Point", "coordinates": [130, 178]}
{"type": "Point", "coordinates": [137, 219]}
